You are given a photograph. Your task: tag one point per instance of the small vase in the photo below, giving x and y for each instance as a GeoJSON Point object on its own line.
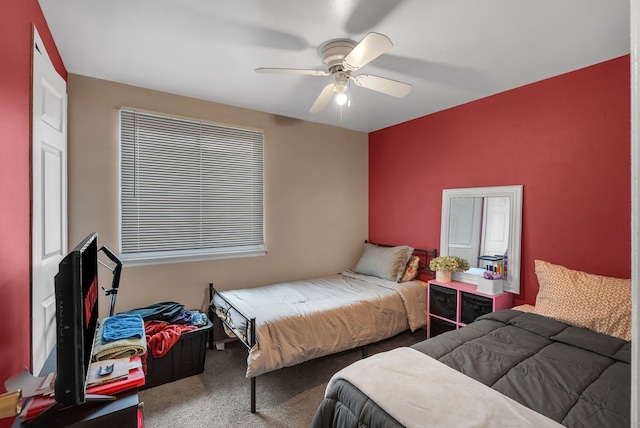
{"type": "Point", "coordinates": [443, 276]}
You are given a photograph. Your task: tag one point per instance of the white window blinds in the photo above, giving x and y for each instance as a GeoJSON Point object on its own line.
{"type": "Point", "coordinates": [189, 188]}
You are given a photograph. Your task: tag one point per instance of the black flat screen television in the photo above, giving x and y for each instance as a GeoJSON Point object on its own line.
{"type": "Point", "coordinates": [76, 291]}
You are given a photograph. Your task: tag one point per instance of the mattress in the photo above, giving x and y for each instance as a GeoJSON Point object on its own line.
{"type": "Point", "coordinates": [570, 375]}
{"type": "Point", "coordinates": [301, 320]}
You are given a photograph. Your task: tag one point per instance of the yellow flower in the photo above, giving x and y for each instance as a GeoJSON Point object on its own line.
{"type": "Point", "coordinates": [448, 264]}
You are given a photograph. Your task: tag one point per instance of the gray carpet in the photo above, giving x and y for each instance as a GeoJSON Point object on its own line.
{"type": "Point", "coordinates": [220, 396]}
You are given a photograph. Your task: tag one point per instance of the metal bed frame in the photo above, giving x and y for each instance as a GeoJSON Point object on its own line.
{"type": "Point", "coordinates": [248, 336]}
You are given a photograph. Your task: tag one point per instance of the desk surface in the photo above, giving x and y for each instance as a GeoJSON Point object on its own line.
{"type": "Point", "coordinates": [121, 413]}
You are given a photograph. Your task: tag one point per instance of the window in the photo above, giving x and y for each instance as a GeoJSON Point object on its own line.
{"type": "Point", "coordinates": [189, 190]}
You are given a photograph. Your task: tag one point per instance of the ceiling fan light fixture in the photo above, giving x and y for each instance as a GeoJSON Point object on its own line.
{"type": "Point", "coordinates": [340, 87]}
{"type": "Point", "coordinates": [340, 82]}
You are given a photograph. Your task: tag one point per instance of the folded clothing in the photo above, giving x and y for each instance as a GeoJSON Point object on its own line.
{"type": "Point", "coordinates": [118, 348]}
{"type": "Point", "coordinates": [171, 312]}
{"type": "Point", "coordinates": [123, 326]}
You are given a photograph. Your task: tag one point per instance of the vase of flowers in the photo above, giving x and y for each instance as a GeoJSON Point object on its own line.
{"type": "Point", "coordinates": [444, 265]}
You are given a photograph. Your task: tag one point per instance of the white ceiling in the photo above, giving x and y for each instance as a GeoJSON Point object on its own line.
{"type": "Point", "coordinates": [451, 51]}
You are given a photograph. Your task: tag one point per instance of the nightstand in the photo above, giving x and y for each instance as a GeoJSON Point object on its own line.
{"type": "Point", "coordinates": [451, 305]}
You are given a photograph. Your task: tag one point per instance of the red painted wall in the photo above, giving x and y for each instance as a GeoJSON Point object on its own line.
{"type": "Point", "coordinates": [565, 139]}
{"type": "Point", "coordinates": [16, 22]}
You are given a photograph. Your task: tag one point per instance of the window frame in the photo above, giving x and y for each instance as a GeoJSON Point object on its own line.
{"type": "Point", "coordinates": [142, 258]}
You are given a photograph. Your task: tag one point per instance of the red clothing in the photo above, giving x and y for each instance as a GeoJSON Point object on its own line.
{"type": "Point", "coordinates": [162, 336]}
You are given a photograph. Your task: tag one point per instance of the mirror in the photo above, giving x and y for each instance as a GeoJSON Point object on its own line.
{"type": "Point", "coordinates": [484, 226]}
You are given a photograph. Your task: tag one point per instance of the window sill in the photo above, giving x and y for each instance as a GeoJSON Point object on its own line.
{"type": "Point", "coordinates": [147, 259]}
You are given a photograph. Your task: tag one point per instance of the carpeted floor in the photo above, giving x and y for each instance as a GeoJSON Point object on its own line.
{"type": "Point", "coordinates": [220, 396]}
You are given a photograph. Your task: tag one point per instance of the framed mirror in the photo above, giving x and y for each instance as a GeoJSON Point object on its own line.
{"type": "Point", "coordinates": [484, 226]}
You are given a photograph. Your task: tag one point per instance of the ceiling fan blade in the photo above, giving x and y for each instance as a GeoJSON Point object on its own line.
{"type": "Point", "coordinates": [372, 46]}
{"type": "Point", "coordinates": [292, 71]}
{"type": "Point", "coordinates": [382, 84]}
{"type": "Point", "coordinates": [323, 99]}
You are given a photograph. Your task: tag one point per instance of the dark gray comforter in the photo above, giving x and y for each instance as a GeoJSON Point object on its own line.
{"type": "Point", "coordinates": [574, 376]}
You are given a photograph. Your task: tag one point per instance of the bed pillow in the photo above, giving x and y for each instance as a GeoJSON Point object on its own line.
{"type": "Point", "coordinates": [599, 303]}
{"type": "Point", "coordinates": [383, 262]}
{"type": "Point", "coordinates": [411, 271]}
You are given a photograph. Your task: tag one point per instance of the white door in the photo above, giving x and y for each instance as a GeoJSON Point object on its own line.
{"type": "Point", "coordinates": [49, 197]}
{"type": "Point", "coordinates": [496, 227]}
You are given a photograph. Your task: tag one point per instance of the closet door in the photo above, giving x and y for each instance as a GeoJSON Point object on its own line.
{"type": "Point", "coordinates": [49, 196]}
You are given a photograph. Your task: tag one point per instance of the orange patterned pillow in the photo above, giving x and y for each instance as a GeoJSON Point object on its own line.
{"type": "Point", "coordinates": [599, 303]}
{"type": "Point", "coordinates": [412, 269]}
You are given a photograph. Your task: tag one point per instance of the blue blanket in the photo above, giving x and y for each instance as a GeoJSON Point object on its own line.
{"type": "Point", "coordinates": [123, 326]}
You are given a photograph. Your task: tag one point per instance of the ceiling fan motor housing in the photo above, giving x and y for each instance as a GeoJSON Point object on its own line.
{"type": "Point", "coordinates": [333, 53]}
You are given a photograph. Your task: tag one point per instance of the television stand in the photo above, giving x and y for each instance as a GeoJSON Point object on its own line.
{"type": "Point", "coordinates": [44, 418]}
{"type": "Point", "coordinates": [123, 410]}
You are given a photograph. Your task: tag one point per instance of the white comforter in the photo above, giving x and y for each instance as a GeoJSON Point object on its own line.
{"type": "Point", "coordinates": [299, 321]}
{"type": "Point", "coordinates": [417, 391]}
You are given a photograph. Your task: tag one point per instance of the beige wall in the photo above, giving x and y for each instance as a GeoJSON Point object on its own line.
{"type": "Point", "coordinates": [316, 195]}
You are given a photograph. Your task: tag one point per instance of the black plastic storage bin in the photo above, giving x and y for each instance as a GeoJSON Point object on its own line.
{"type": "Point", "coordinates": [473, 306]}
{"type": "Point", "coordinates": [184, 359]}
{"type": "Point", "coordinates": [438, 326]}
{"type": "Point", "coordinates": [442, 302]}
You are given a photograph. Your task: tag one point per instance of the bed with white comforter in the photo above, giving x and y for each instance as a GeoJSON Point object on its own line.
{"type": "Point", "coordinates": [289, 323]}
{"type": "Point", "coordinates": [302, 320]}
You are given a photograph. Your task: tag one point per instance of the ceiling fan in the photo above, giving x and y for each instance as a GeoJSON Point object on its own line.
{"type": "Point", "coordinates": [341, 57]}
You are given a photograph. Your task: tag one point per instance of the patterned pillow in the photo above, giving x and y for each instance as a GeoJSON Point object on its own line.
{"type": "Point", "coordinates": [599, 303]}
{"type": "Point", "coordinates": [383, 262]}
{"type": "Point", "coordinates": [412, 269]}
